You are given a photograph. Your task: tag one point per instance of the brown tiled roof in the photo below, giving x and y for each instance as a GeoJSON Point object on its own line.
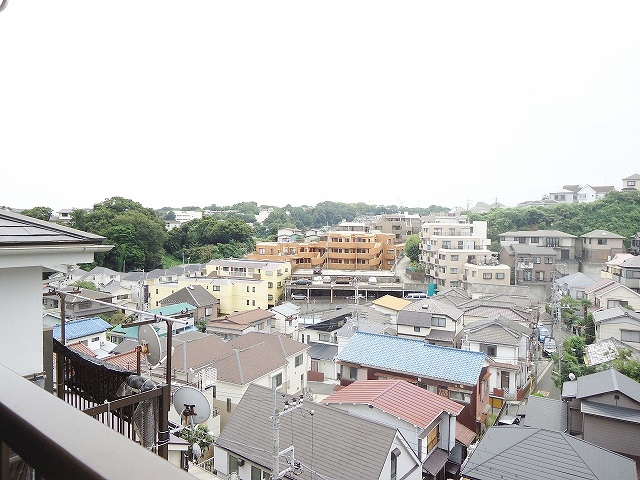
{"type": "Point", "coordinates": [244, 318]}
{"type": "Point", "coordinates": [198, 352]}
{"type": "Point", "coordinates": [283, 345]}
{"type": "Point", "coordinates": [82, 348]}
{"type": "Point", "coordinates": [399, 398]}
{"type": "Point", "coordinates": [244, 366]}
{"type": "Point", "coordinates": [127, 361]}
{"type": "Point", "coordinates": [464, 435]}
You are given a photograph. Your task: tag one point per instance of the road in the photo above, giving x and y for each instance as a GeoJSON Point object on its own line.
{"type": "Point", "coordinates": [544, 366]}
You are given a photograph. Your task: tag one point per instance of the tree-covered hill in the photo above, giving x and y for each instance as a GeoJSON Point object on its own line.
{"type": "Point", "coordinates": [618, 212]}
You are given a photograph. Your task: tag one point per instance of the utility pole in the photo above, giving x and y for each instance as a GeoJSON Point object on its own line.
{"type": "Point", "coordinates": [289, 406]}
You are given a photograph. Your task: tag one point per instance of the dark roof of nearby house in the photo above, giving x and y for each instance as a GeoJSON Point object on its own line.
{"type": "Point", "coordinates": [285, 346]}
{"type": "Point", "coordinates": [541, 412]}
{"type": "Point", "coordinates": [324, 441]}
{"type": "Point", "coordinates": [196, 350]}
{"type": "Point", "coordinates": [414, 357]}
{"type": "Point", "coordinates": [537, 233]}
{"type": "Point", "coordinates": [612, 412]}
{"type": "Point", "coordinates": [496, 330]}
{"type": "Point", "coordinates": [527, 453]}
{"type": "Point", "coordinates": [607, 381]}
{"type": "Point", "coordinates": [322, 351]}
{"type": "Point", "coordinates": [428, 305]}
{"type": "Point", "coordinates": [635, 176]}
{"type": "Point", "coordinates": [616, 313]}
{"type": "Point", "coordinates": [196, 295]}
{"type": "Point", "coordinates": [242, 367]}
{"type": "Point", "coordinates": [398, 398]}
{"type": "Point", "coordinates": [243, 319]}
{"type": "Point", "coordinates": [577, 279]}
{"type": "Point", "coordinates": [16, 229]}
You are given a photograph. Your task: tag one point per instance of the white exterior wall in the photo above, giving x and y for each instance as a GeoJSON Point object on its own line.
{"type": "Point", "coordinates": [406, 461]}
{"type": "Point", "coordinates": [610, 329]}
{"type": "Point", "coordinates": [21, 319]}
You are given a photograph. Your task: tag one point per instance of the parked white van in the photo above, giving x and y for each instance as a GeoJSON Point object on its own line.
{"type": "Point", "coordinates": [373, 280]}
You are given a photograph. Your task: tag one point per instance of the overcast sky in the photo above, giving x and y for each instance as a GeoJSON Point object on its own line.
{"type": "Point", "coordinates": [200, 102]}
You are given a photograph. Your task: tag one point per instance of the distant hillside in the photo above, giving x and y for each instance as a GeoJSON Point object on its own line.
{"type": "Point", "coordinates": [618, 212]}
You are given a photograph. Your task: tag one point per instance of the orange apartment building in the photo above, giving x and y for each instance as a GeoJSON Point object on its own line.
{"type": "Point", "coordinates": [340, 250]}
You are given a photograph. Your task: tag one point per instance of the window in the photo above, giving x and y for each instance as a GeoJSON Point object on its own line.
{"type": "Point", "coordinates": [216, 288]}
{"type": "Point", "coordinates": [540, 276]}
{"type": "Point", "coordinates": [460, 395]}
{"type": "Point", "coordinates": [548, 260]}
{"type": "Point", "coordinates": [487, 276]}
{"type": "Point", "coordinates": [438, 321]}
{"type": "Point", "coordinates": [416, 329]}
{"type": "Point", "coordinates": [526, 275]}
{"type": "Point", "coordinates": [433, 437]}
{"type": "Point", "coordinates": [232, 463]}
{"type": "Point", "coordinates": [602, 241]}
{"type": "Point", "coordinates": [278, 379]}
{"type": "Point", "coordinates": [499, 276]}
{"type": "Point", "coordinates": [504, 379]}
{"type": "Point", "coordinates": [94, 339]}
{"type": "Point", "coordinates": [394, 465]}
{"type": "Point", "coordinates": [536, 259]}
{"type": "Point", "coordinates": [520, 239]}
{"type": "Point", "coordinates": [454, 258]}
{"type": "Point", "coordinates": [228, 404]}
{"type": "Point", "coordinates": [535, 240]}
{"type": "Point", "coordinates": [454, 271]}
{"type": "Point", "coordinates": [630, 336]}
{"type": "Point", "coordinates": [324, 337]}
{"type": "Point", "coordinates": [350, 373]}
{"type": "Point", "coordinates": [616, 303]}
{"type": "Point", "coordinates": [299, 359]}
{"type": "Point", "coordinates": [631, 183]}
{"type": "Point", "coordinates": [490, 350]}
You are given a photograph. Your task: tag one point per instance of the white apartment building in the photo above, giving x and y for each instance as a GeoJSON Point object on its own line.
{"type": "Point", "coordinates": [452, 250]}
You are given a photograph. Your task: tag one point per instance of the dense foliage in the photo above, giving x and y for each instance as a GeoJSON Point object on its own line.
{"type": "Point", "coordinates": [412, 248]}
{"type": "Point", "coordinates": [138, 235]}
{"type": "Point", "coordinates": [617, 212]}
{"type": "Point", "coordinates": [41, 213]}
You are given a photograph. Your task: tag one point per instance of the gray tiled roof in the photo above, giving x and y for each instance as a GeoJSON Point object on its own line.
{"type": "Point", "coordinates": [196, 295]}
{"type": "Point", "coordinates": [538, 233]}
{"type": "Point", "coordinates": [324, 441]}
{"type": "Point", "coordinates": [527, 453]}
{"type": "Point", "coordinates": [16, 229]}
{"type": "Point", "coordinates": [605, 382]}
{"type": "Point", "coordinates": [323, 351]}
{"type": "Point", "coordinates": [610, 411]}
{"type": "Point", "coordinates": [540, 412]}
{"type": "Point", "coordinates": [602, 234]}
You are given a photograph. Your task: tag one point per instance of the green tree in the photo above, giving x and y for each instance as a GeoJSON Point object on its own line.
{"type": "Point", "coordinates": [41, 213]}
{"type": "Point", "coordinates": [412, 248]}
{"type": "Point", "coordinates": [86, 284]}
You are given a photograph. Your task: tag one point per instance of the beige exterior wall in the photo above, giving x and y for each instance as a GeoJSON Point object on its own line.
{"type": "Point", "coordinates": [348, 250]}
{"type": "Point", "coordinates": [613, 329]}
{"type": "Point", "coordinates": [486, 274]}
{"type": "Point", "coordinates": [598, 252]}
{"type": "Point", "coordinates": [400, 225]}
{"type": "Point", "coordinates": [620, 294]}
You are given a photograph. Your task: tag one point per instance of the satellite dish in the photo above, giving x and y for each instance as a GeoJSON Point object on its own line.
{"type": "Point", "coordinates": [197, 451]}
{"type": "Point", "coordinates": [148, 338]}
{"type": "Point", "coordinates": [191, 405]}
{"type": "Point", "coordinates": [572, 376]}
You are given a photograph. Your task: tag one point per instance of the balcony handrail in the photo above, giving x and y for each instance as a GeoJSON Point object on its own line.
{"type": "Point", "coordinates": [61, 442]}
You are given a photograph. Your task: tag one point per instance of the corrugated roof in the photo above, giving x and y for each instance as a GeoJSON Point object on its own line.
{"type": "Point", "coordinates": [605, 382]}
{"type": "Point", "coordinates": [541, 412]}
{"type": "Point", "coordinates": [323, 351]}
{"type": "Point", "coordinates": [607, 350]}
{"type": "Point", "coordinates": [527, 453]}
{"type": "Point", "coordinates": [399, 398]}
{"type": "Point", "coordinates": [614, 412]}
{"type": "Point", "coordinates": [324, 441]}
{"type": "Point", "coordinates": [16, 229]}
{"type": "Point", "coordinates": [414, 357]}
{"type": "Point", "coordinates": [81, 328]}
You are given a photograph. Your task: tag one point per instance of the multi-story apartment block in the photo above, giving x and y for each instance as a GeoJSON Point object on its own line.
{"type": "Point", "coordinates": [564, 244]}
{"type": "Point", "coordinates": [343, 250]}
{"type": "Point", "coordinates": [402, 225]}
{"type": "Point", "coordinates": [457, 255]}
{"type": "Point", "coordinates": [273, 273]}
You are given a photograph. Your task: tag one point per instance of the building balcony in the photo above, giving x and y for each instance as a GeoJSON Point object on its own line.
{"type": "Point", "coordinates": [42, 436]}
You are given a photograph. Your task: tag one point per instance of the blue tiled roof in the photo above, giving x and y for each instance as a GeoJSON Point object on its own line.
{"type": "Point", "coordinates": [81, 328]}
{"type": "Point", "coordinates": [414, 357]}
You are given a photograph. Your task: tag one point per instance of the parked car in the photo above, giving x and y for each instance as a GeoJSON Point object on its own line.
{"type": "Point", "coordinates": [549, 347]}
{"type": "Point", "coordinates": [301, 281]}
{"type": "Point", "coordinates": [509, 420]}
{"type": "Point", "coordinates": [298, 296]}
{"type": "Point", "coordinates": [542, 333]}
{"type": "Point", "coordinates": [411, 296]}
{"type": "Point", "coordinates": [317, 270]}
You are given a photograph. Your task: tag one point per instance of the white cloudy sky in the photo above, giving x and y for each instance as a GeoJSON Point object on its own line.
{"type": "Point", "coordinates": [200, 102]}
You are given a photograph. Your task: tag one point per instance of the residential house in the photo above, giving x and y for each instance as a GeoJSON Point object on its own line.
{"type": "Point", "coordinates": [285, 319]}
{"type": "Point", "coordinates": [185, 312]}
{"type": "Point", "coordinates": [635, 244]}
{"type": "Point", "coordinates": [604, 409]}
{"type": "Point", "coordinates": [274, 274]}
{"type": "Point", "coordinates": [529, 263]}
{"type": "Point", "coordinates": [240, 323]}
{"type": "Point", "coordinates": [390, 305]}
{"type": "Point", "coordinates": [459, 375]}
{"type": "Point", "coordinates": [631, 182]}
{"type": "Point", "coordinates": [508, 346]}
{"type": "Point", "coordinates": [564, 195]}
{"type": "Point", "coordinates": [91, 332]}
{"type": "Point", "coordinates": [479, 272]}
{"type": "Point", "coordinates": [206, 304]}
{"type": "Point", "coordinates": [317, 441]}
{"type": "Point", "coordinates": [482, 308]}
{"type": "Point", "coordinates": [624, 268]}
{"type": "Point", "coordinates": [531, 453]}
{"type": "Point", "coordinates": [79, 303]}
{"type": "Point", "coordinates": [287, 235]}
{"type": "Point", "coordinates": [619, 323]}
{"type": "Point", "coordinates": [426, 420]}
{"type": "Point", "coordinates": [601, 245]}
{"type": "Point", "coordinates": [588, 194]}
{"type": "Point", "coordinates": [572, 285]}
{"type": "Point", "coordinates": [609, 293]}
{"type": "Point", "coordinates": [262, 359]}
{"type": "Point", "coordinates": [434, 322]}
{"type": "Point", "coordinates": [564, 244]}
